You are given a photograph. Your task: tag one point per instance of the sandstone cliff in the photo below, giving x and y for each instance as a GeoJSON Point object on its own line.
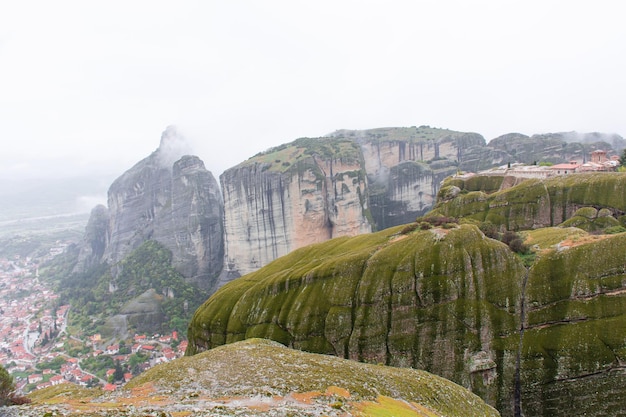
{"type": "Point", "coordinates": [95, 239]}
{"type": "Point", "coordinates": [349, 183]}
{"type": "Point", "coordinates": [356, 181]}
{"type": "Point", "coordinates": [306, 192]}
{"type": "Point", "coordinates": [167, 197]}
{"type": "Point", "coordinates": [405, 167]}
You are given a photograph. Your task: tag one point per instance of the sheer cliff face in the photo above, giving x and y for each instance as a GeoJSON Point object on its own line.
{"type": "Point", "coordinates": [403, 184]}
{"type": "Point", "coordinates": [269, 213]}
{"type": "Point", "coordinates": [350, 183]}
{"type": "Point", "coordinates": [95, 239]}
{"type": "Point", "coordinates": [178, 205]}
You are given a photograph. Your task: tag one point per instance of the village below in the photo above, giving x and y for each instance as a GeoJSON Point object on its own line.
{"type": "Point", "coordinates": [38, 351]}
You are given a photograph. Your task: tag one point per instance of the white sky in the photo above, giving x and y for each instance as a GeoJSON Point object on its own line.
{"type": "Point", "coordinates": [87, 87]}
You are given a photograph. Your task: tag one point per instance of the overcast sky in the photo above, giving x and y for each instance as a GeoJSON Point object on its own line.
{"type": "Point", "coordinates": [87, 87]}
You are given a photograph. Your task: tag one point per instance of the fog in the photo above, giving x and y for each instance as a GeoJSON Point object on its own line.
{"type": "Point", "coordinates": [87, 89]}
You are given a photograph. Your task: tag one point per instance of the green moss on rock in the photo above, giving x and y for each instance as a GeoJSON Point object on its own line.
{"type": "Point", "coordinates": [450, 300]}
{"type": "Point", "coordinates": [432, 299]}
{"type": "Point", "coordinates": [260, 367]}
{"type": "Point", "coordinates": [542, 203]}
{"type": "Point", "coordinates": [576, 305]}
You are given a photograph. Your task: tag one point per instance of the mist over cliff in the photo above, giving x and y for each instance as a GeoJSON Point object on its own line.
{"type": "Point", "coordinates": [169, 197]}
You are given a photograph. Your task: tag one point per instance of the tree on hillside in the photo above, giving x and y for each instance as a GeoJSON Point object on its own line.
{"type": "Point", "coordinates": [622, 159]}
{"type": "Point", "coordinates": [118, 375]}
{"type": "Point", "coordinates": [6, 387]}
{"type": "Point", "coordinates": [7, 390]}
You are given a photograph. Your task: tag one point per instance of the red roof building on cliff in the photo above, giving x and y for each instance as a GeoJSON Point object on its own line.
{"type": "Point", "coordinates": [567, 168]}
{"type": "Point", "coordinates": [598, 163]}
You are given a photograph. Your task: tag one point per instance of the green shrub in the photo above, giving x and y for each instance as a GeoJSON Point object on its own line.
{"type": "Point", "coordinates": [588, 212]}
{"type": "Point", "coordinates": [411, 227]}
{"type": "Point", "coordinates": [489, 229]}
{"type": "Point", "coordinates": [614, 230]}
{"type": "Point", "coordinates": [517, 245]}
{"type": "Point", "coordinates": [437, 221]}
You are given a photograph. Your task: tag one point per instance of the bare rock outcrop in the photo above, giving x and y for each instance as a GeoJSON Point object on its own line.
{"type": "Point", "coordinates": [273, 205]}
{"type": "Point", "coordinates": [348, 183]}
{"type": "Point", "coordinates": [169, 197]}
{"type": "Point", "coordinates": [95, 239]}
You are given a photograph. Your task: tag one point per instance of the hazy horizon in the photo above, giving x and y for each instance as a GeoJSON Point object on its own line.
{"type": "Point", "coordinates": [87, 89]}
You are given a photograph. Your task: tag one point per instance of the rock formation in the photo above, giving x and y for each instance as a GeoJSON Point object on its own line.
{"type": "Point", "coordinates": [428, 300]}
{"type": "Point", "coordinates": [353, 182]}
{"type": "Point", "coordinates": [168, 197]}
{"type": "Point", "coordinates": [538, 334]}
{"type": "Point", "coordinates": [349, 183]}
{"type": "Point", "coordinates": [263, 378]}
{"type": "Point", "coordinates": [94, 240]}
{"type": "Point", "coordinates": [308, 191]}
{"type": "Point", "coordinates": [405, 167]}
{"type": "Point", "coordinates": [303, 193]}
{"type": "Point", "coordinates": [536, 203]}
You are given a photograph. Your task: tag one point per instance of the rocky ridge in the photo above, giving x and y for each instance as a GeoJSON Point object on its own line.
{"type": "Point", "coordinates": [168, 197]}
{"type": "Point", "coordinates": [537, 203]}
{"type": "Point", "coordinates": [304, 192]}
{"type": "Point", "coordinates": [259, 377]}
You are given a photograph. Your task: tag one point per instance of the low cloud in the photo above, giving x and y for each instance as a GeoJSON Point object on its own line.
{"type": "Point", "coordinates": [85, 203]}
{"type": "Point", "coordinates": [173, 146]}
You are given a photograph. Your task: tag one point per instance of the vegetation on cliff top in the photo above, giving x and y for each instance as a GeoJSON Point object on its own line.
{"type": "Point", "coordinates": [411, 134]}
{"type": "Point", "coordinates": [343, 145]}
{"type": "Point", "coordinates": [286, 157]}
{"type": "Point", "coordinates": [539, 203]}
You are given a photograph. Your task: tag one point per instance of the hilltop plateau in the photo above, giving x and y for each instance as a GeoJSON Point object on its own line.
{"type": "Point", "coordinates": [259, 377]}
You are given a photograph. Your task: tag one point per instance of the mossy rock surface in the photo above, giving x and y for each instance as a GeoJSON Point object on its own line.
{"type": "Point", "coordinates": [261, 367]}
{"type": "Point", "coordinates": [449, 302]}
{"type": "Point", "coordinates": [575, 340]}
{"type": "Point", "coordinates": [536, 203]}
{"type": "Point", "coordinates": [259, 377]}
{"type": "Point", "coordinates": [432, 299]}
